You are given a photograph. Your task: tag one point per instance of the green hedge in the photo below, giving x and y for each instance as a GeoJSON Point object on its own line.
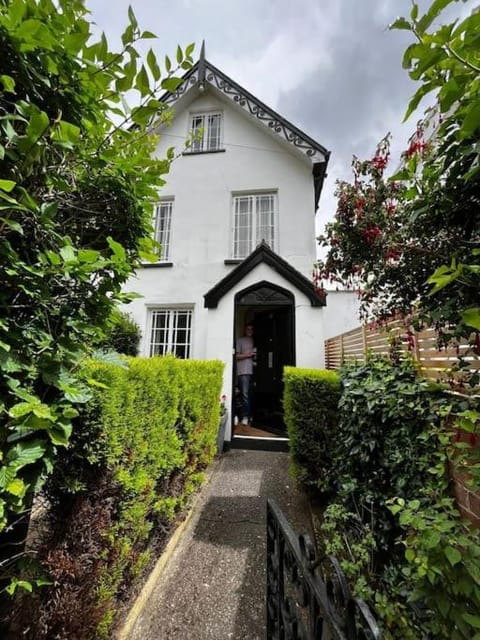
{"type": "Point", "coordinates": [138, 452]}
{"type": "Point", "coordinates": [311, 399]}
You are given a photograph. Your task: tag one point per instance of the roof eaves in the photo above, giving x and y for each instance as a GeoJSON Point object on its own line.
{"type": "Point", "coordinates": [262, 253]}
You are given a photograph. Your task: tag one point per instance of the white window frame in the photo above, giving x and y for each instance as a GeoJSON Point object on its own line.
{"type": "Point", "coordinates": [163, 234]}
{"type": "Point", "coordinates": [202, 120]}
{"type": "Point", "coordinates": [158, 347]}
{"type": "Point", "coordinates": [256, 234]}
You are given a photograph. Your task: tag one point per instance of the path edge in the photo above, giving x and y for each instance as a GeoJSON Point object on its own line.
{"type": "Point", "coordinates": [160, 565]}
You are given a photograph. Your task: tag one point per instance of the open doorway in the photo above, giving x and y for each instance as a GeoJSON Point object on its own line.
{"type": "Point", "coordinates": [271, 311]}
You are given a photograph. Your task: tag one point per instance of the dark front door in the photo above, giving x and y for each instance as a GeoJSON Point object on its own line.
{"type": "Point", "coordinates": [274, 342]}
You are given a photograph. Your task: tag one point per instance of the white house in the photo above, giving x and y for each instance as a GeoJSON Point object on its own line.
{"type": "Point", "coordinates": [236, 220]}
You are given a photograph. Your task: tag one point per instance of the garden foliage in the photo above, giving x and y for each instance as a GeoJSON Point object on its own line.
{"type": "Point", "coordinates": [122, 334]}
{"type": "Point", "coordinates": [390, 517]}
{"type": "Point", "coordinates": [138, 450]}
{"type": "Point", "coordinates": [310, 402]}
{"type": "Point", "coordinates": [77, 184]}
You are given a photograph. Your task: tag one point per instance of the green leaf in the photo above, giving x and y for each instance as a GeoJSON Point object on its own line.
{"type": "Point", "coordinates": [8, 83]}
{"type": "Point", "coordinates": [410, 555]}
{"type": "Point", "coordinates": [66, 134]}
{"type": "Point", "coordinates": [132, 18]}
{"type": "Point", "coordinates": [471, 317]}
{"type": "Point", "coordinates": [401, 23]}
{"type": "Point", "coordinates": [142, 82]}
{"type": "Point", "coordinates": [153, 65]}
{"type": "Point", "coordinates": [12, 224]}
{"type": "Point", "coordinates": [171, 84]}
{"type": "Point", "coordinates": [60, 434]}
{"type": "Point", "coordinates": [472, 620]}
{"type": "Point", "coordinates": [117, 249]}
{"type": "Point", "coordinates": [179, 54]}
{"type": "Point", "coordinates": [471, 122]}
{"type": "Point", "coordinates": [454, 556]}
{"type": "Point", "coordinates": [25, 453]}
{"type": "Point", "coordinates": [127, 35]}
{"type": "Point", "coordinates": [18, 584]}
{"type": "Point", "coordinates": [68, 253]}
{"type": "Point", "coordinates": [37, 126]}
{"type": "Point", "coordinates": [17, 487]}
{"type": "Point", "coordinates": [434, 10]}
{"type": "Point", "coordinates": [148, 35]}
{"type": "Point", "coordinates": [168, 64]}
{"type": "Point", "coordinates": [22, 409]}
{"type": "Point", "coordinates": [7, 185]}
{"type": "Point", "coordinates": [417, 98]}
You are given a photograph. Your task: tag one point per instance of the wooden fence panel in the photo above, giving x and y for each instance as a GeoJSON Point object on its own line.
{"type": "Point", "coordinates": [434, 361]}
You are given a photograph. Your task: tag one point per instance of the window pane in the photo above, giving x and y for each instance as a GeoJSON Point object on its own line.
{"type": "Point", "coordinates": [162, 225]}
{"type": "Point", "coordinates": [181, 333]}
{"type": "Point", "coordinates": [197, 123]}
{"type": "Point", "coordinates": [265, 210]}
{"type": "Point", "coordinates": [213, 138]}
{"type": "Point", "coordinates": [242, 227]}
{"type": "Point", "coordinates": [159, 336]}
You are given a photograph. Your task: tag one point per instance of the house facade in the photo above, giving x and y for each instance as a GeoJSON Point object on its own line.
{"type": "Point", "coordinates": [236, 221]}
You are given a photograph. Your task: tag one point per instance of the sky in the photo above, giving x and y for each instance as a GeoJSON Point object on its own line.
{"type": "Point", "coordinates": [331, 67]}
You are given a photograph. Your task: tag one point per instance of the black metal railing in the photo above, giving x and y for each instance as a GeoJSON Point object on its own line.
{"type": "Point", "coordinates": [309, 598]}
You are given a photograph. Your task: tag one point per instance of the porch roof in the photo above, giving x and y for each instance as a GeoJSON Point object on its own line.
{"type": "Point", "coordinates": [263, 254]}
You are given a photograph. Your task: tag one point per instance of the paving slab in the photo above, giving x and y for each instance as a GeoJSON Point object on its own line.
{"type": "Point", "coordinates": [213, 587]}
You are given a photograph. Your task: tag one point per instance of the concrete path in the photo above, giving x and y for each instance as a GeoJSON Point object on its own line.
{"type": "Point", "coordinates": [213, 587]}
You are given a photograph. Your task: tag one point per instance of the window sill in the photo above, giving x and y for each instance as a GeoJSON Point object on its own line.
{"type": "Point", "coordinates": [230, 262]}
{"type": "Point", "coordinates": [201, 153]}
{"type": "Point", "coordinates": [156, 265]}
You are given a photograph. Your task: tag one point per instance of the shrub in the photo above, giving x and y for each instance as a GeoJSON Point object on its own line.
{"type": "Point", "coordinates": [123, 334]}
{"type": "Point", "coordinates": [387, 440]}
{"type": "Point", "coordinates": [393, 525]}
{"type": "Point", "coordinates": [138, 451]}
{"type": "Point", "coordinates": [310, 401]}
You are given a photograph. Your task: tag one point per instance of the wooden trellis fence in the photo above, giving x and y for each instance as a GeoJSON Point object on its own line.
{"type": "Point", "coordinates": [434, 361]}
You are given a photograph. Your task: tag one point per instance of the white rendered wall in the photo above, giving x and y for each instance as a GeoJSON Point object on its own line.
{"type": "Point", "coordinates": [341, 313]}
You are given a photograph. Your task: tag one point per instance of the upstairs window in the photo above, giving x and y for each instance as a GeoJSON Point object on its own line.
{"type": "Point", "coordinates": [207, 129]}
{"type": "Point", "coordinates": [171, 332]}
{"type": "Point", "coordinates": [253, 221]}
{"type": "Point", "coordinates": [162, 224]}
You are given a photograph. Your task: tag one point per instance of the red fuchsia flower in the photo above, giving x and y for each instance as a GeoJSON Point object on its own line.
{"type": "Point", "coordinates": [391, 208]}
{"type": "Point", "coordinates": [321, 293]}
{"type": "Point", "coordinates": [380, 162]}
{"type": "Point", "coordinates": [372, 233]}
{"type": "Point", "coordinates": [359, 203]}
{"type": "Point", "coordinates": [410, 340]}
{"type": "Point", "coordinates": [392, 254]}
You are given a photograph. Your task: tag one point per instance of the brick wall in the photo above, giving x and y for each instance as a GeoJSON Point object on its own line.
{"type": "Point", "coordinates": [467, 496]}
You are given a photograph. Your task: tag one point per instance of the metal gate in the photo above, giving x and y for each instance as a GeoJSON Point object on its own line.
{"type": "Point", "coordinates": [309, 598]}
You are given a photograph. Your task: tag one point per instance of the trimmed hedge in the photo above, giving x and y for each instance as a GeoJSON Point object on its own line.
{"type": "Point", "coordinates": [138, 452]}
{"type": "Point", "coordinates": [311, 399]}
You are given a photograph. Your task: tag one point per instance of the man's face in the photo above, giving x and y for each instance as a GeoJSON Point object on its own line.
{"type": "Point", "coordinates": [249, 330]}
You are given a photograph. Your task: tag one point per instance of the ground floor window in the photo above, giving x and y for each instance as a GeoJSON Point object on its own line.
{"type": "Point", "coordinates": [171, 332]}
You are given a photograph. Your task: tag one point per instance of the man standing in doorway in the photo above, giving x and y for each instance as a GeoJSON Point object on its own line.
{"type": "Point", "coordinates": [245, 354]}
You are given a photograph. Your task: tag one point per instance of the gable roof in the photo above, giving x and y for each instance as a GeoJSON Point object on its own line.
{"type": "Point", "coordinates": [204, 73]}
{"type": "Point", "coordinates": [263, 254]}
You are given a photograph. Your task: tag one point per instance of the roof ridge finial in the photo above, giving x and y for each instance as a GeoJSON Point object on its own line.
{"type": "Point", "coordinates": [201, 64]}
